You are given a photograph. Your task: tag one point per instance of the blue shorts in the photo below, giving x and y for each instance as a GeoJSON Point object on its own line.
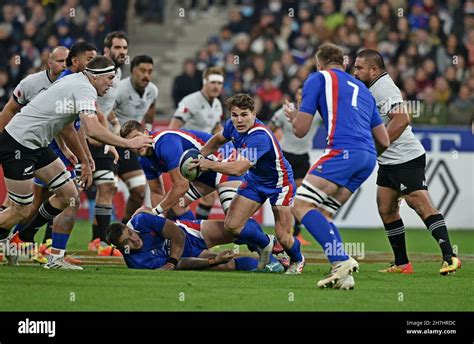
{"type": "Point", "coordinates": [346, 168]}
{"type": "Point", "coordinates": [195, 243]}
{"type": "Point", "coordinates": [66, 163]}
{"type": "Point", "coordinates": [258, 192]}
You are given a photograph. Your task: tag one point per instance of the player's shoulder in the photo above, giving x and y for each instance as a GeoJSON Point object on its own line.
{"type": "Point", "coordinates": [260, 129]}
{"type": "Point", "coordinates": [192, 99]}
{"type": "Point", "coordinates": [384, 86]}
{"type": "Point", "coordinates": [153, 89]}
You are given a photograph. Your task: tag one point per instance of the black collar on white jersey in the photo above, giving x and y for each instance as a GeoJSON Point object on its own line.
{"type": "Point", "coordinates": [377, 79]}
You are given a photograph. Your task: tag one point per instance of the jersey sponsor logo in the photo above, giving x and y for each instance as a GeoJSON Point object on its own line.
{"type": "Point", "coordinates": [28, 171]}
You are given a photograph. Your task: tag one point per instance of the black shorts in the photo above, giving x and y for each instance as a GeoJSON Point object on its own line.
{"type": "Point", "coordinates": [299, 164]}
{"type": "Point", "coordinates": [128, 161]}
{"type": "Point", "coordinates": [404, 178]}
{"type": "Point", "coordinates": [20, 162]}
{"type": "Point", "coordinates": [103, 162]}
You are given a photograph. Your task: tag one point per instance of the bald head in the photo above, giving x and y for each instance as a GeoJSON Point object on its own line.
{"type": "Point", "coordinates": [57, 61]}
{"type": "Point", "coordinates": [368, 65]}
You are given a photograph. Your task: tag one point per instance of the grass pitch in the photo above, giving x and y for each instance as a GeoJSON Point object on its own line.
{"type": "Point", "coordinates": [107, 285]}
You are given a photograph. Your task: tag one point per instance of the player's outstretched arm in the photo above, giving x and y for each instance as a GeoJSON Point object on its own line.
{"type": "Point", "coordinates": [230, 168]}
{"type": "Point", "coordinates": [213, 144]}
{"type": "Point", "coordinates": [210, 261]}
{"type": "Point", "coordinates": [98, 132]}
{"type": "Point", "coordinates": [380, 138]}
{"type": "Point", "coordinates": [177, 192]}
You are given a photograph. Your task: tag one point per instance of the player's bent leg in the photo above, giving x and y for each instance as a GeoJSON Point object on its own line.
{"type": "Point", "coordinates": [205, 205]}
{"type": "Point", "coordinates": [283, 221]}
{"type": "Point", "coordinates": [434, 221]}
{"type": "Point", "coordinates": [214, 233]}
{"type": "Point", "coordinates": [240, 210]}
{"type": "Point", "coordinates": [227, 192]}
{"type": "Point", "coordinates": [135, 181]}
{"type": "Point", "coordinates": [389, 211]}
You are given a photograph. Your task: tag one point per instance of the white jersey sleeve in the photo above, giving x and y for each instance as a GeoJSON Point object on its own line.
{"type": "Point", "coordinates": [406, 147]}
{"type": "Point", "coordinates": [185, 109]}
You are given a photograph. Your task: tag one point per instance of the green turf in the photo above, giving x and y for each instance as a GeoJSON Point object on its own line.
{"type": "Point", "coordinates": [30, 288]}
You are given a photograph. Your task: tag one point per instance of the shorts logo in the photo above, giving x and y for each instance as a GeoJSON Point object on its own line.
{"type": "Point", "coordinates": [28, 171]}
{"type": "Point", "coordinates": [402, 187]}
{"type": "Point", "coordinates": [425, 183]}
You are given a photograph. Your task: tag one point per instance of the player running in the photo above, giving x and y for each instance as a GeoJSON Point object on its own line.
{"type": "Point", "coordinates": [296, 151]}
{"type": "Point", "coordinates": [106, 157]}
{"type": "Point", "coordinates": [152, 242]}
{"type": "Point", "coordinates": [24, 151]}
{"type": "Point", "coordinates": [351, 118]}
{"type": "Point", "coordinates": [268, 175]}
{"type": "Point", "coordinates": [401, 169]}
{"type": "Point", "coordinates": [136, 97]}
{"type": "Point", "coordinates": [202, 111]}
{"type": "Point", "coordinates": [164, 157]}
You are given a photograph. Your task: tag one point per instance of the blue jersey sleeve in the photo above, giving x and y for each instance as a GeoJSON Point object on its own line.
{"type": "Point", "coordinates": [228, 128]}
{"type": "Point", "coordinates": [148, 222]}
{"type": "Point", "coordinates": [312, 89]}
{"type": "Point", "coordinates": [258, 144]}
{"type": "Point", "coordinates": [376, 119]}
{"type": "Point", "coordinates": [171, 152]}
{"type": "Point", "coordinates": [142, 261]}
{"type": "Point", "coordinates": [150, 172]}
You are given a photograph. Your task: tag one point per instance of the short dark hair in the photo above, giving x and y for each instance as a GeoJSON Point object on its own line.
{"type": "Point", "coordinates": [241, 100]}
{"type": "Point", "coordinates": [373, 57]}
{"type": "Point", "coordinates": [140, 59]}
{"type": "Point", "coordinates": [113, 234]}
{"type": "Point", "coordinates": [330, 53]}
{"type": "Point", "coordinates": [78, 49]}
{"type": "Point", "coordinates": [114, 34]}
{"type": "Point", "coordinates": [99, 62]}
{"type": "Point", "coordinates": [130, 126]}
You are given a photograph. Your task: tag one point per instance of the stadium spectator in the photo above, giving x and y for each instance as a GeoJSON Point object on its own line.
{"type": "Point", "coordinates": [461, 111]}
{"type": "Point", "coordinates": [186, 83]}
{"type": "Point", "coordinates": [431, 111]}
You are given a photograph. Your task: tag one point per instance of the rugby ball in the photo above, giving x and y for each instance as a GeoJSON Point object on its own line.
{"type": "Point", "coordinates": [186, 159]}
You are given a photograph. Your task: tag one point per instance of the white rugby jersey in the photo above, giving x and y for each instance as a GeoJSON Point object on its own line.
{"type": "Point", "coordinates": [290, 143]}
{"type": "Point", "coordinates": [106, 102]}
{"type": "Point", "coordinates": [129, 105]}
{"type": "Point", "coordinates": [30, 86]}
{"type": "Point", "coordinates": [406, 147]}
{"type": "Point", "coordinates": [197, 113]}
{"type": "Point", "coordinates": [42, 118]}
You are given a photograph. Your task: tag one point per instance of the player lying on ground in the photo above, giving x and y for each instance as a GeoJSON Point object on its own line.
{"type": "Point", "coordinates": [164, 157]}
{"type": "Point", "coordinates": [352, 121]}
{"type": "Point", "coordinates": [149, 241]}
{"type": "Point", "coordinates": [268, 175]}
{"type": "Point", "coordinates": [24, 150]}
{"type": "Point", "coordinates": [401, 169]}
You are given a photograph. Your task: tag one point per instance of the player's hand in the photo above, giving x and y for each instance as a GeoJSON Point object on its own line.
{"type": "Point", "coordinates": [290, 111]}
{"type": "Point", "coordinates": [203, 164]}
{"type": "Point", "coordinates": [224, 256]}
{"type": "Point", "coordinates": [91, 162]}
{"type": "Point", "coordinates": [140, 141]}
{"type": "Point", "coordinates": [86, 176]}
{"type": "Point", "coordinates": [70, 156]}
{"type": "Point", "coordinates": [168, 267]}
{"type": "Point", "coordinates": [112, 150]}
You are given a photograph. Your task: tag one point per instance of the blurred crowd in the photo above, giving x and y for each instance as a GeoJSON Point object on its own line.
{"type": "Point", "coordinates": [267, 49]}
{"type": "Point", "coordinates": [30, 29]}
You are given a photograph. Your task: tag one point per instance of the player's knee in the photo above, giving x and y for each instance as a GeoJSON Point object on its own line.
{"type": "Point", "coordinates": [68, 196]}
{"type": "Point", "coordinates": [106, 190]}
{"type": "Point", "coordinates": [231, 227]}
{"type": "Point", "coordinates": [138, 193]}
